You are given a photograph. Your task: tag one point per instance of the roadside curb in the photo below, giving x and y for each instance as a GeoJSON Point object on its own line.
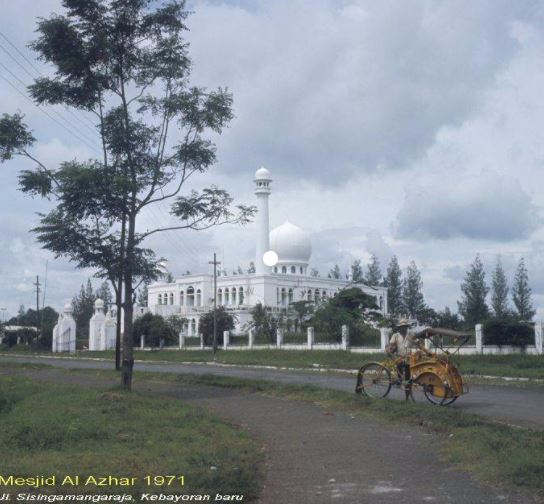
{"type": "Point", "coordinates": [316, 368]}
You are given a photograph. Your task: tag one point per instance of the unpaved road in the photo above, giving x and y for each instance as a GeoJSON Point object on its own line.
{"type": "Point", "coordinates": [514, 405]}
{"type": "Point", "coordinates": [313, 456]}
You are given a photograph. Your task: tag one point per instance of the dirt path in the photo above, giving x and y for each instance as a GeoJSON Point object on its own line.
{"type": "Point", "coordinates": [321, 457]}
{"type": "Point", "coordinates": [513, 405]}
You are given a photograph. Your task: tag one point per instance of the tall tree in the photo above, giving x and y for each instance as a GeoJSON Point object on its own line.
{"type": "Point", "coordinates": [143, 293]}
{"type": "Point", "coordinates": [412, 295]}
{"type": "Point", "coordinates": [335, 272]}
{"type": "Point", "coordinates": [393, 283]}
{"type": "Point", "coordinates": [83, 308]}
{"type": "Point", "coordinates": [373, 272]}
{"type": "Point", "coordinates": [127, 62]}
{"type": "Point", "coordinates": [473, 307]}
{"type": "Point", "coordinates": [521, 293]}
{"type": "Point", "coordinates": [104, 293]}
{"type": "Point", "coordinates": [499, 291]}
{"type": "Point", "coordinates": [357, 274]}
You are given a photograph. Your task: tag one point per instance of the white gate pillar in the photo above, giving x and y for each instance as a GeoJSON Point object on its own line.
{"type": "Point", "coordinates": [226, 339]}
{"type": "Point", "coordinates": [279, 338]}
{"type": "Point", "coordinates": [538, 337]}
{"type": "Point", "coordinates": [479, 338]}
{"type": "Point", "coordinates": [250, 338]}
{"type": "Point", "coordinates": [310, 337]}
{"type": "Point", "coordinates": [384, 337]}
{"type": "Point", "coordinates": [345, 337]}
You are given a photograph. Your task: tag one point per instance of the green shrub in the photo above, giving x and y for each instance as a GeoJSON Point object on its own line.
{"type": "Point", "coordinates": [503, 332]}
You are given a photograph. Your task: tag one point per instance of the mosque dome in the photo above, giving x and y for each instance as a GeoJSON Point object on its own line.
{"type": "Point", "coordinates": [291, 243]}
{"type": "Point", "coordinates": [98, 304]}
{"type": "Point", "coordinates": [262, 174]}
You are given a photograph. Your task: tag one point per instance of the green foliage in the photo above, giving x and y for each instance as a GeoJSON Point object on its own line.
{"type": "Point", "coordinates": [143, 294]}
{"type": "Point", "coordinates": [473, 307]}
{"type": "Point", "coordinates": [127, 62]}
{"type": "Point", "coordinates": [335, 273]}
{"type": "Point", "coordinates": [357, 274]}
{"type": "Point", "coordinates": [413, 302]}
{"type": "Point", "coordinates": [393, 282]}
{"type": "Point", "coordinates": [83, 309]}
{"type": "Point", "coordinates": [155, 330]}
{"type": "Point", "coordinates": [373, 272]}
{"type": "Point", "coordinates": [346, 308]}
{"type": "Point", "coordinates": [45, 320]}
{"type": "Point", "coordinates": [507, 332]}
{"type": "Point", "coordinates": [303, 311]}
{"type": "Point", "coordinates": [104, 293]}
{"type": "Point", "coordinates": [499, 292]}
{"type": "Point", "coordinates": [264, 324]}
{"type": "Point", "coordinates": [521, 293]}
{"type": "Point", "coordinates": [225, 322]}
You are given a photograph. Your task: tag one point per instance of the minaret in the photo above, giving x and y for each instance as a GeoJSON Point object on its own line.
{"type": "Point", "coordinates": [262, 191]}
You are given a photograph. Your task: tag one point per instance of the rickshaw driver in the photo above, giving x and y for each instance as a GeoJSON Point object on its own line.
{"type": "Point", "coordinates": [400, 346]}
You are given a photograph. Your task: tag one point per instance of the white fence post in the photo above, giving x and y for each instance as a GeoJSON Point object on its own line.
{"type": "Point", "coordinates": [226, 339]}
{"type": "Point", "coordinates": [250, 338]}
{"type": "Point", "coordinates": [479, 338]}
{"type": "Point", "coordinates": [345, 337]}
{"type": "Point", "coordinates": [310, 338]}
{"type": "Point", "coordinates": [279, 338]}
{"type": "Point", "coordinates": [384, 337]}
{"type": "Point", "coordinates": [181, 340]}
{"type": "Point", "coordinates": [538, 337]}
{"type": "Point", "coordinates": [201, 341]}
{"type": "Point", "coordinates": [142, 342]}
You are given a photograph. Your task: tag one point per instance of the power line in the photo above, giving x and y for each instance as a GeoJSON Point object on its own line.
{"type": "Point", "coordinates": [47, 114]}
{"type": "Point", "coordinates": [35, 68]}
{"type": "Point", "coordinates": [82, 135]}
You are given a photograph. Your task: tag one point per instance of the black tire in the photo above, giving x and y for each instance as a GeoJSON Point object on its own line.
{"type": "Point", "coordinates": [425, 383]}
{"type": "Point", "coordinates": [373, 380]}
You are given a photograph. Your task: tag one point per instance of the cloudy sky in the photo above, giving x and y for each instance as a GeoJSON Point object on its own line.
{"type": "Point", "coordinates": [391, 127]}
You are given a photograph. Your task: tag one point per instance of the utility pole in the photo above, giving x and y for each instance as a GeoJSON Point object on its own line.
{"type": "Point", "coordinates": [215, 263]}
{"type": "Point", "coordinates": [37, 284]}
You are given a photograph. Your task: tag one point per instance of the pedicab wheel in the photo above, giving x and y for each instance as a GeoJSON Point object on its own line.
{"type": "Point", "coordinates": [432, 387]}
{"type": "Point", "coordinates": [373, 380]}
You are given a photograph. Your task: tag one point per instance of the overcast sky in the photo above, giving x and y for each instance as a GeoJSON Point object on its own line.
{"type": "Point", "coordinates": [390, 127]}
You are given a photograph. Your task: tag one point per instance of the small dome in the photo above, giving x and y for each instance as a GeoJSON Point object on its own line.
{"type": "Point", "coordinates": [68, 308]}
{"type": "Point", "coordinates": [291, 243]}
{"type": "Point", "coordinates": [262, 174]}
{"type": "Point", "coordinates": [99, 304]}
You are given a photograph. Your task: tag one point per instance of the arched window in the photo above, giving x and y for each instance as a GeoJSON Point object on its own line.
{"type": "Point", "coordinates": [316, 295]}
{"type": "Point", "coordinates": [181, 298]}
{"type": "Point", "coordinates": [198, 297]}
{"type": "Point", "coordinates": [283, 296]}
{"type": "Point", "coordinates": [275, 269]}
{"type": "Point", "coordinates": [226, 296]}
{"type": "Point", "coordinates": [171, 298]}
{"type": "Point", "coordinates": [381, 302]}
{"type": "Point", "coordinates": [160, 299]}
{"type": "Point", "coordinates": [277, 295]}
{"type": "Point", "coordinates": [290, 296]}
{"type": "Point", "coordinates": [309, 294]}
{"type": "Point", "coordinates": [293, 269]}
{"type": "Point", "coordinates": [219, 296]}
{"type": "Point", "coordinates": [301, 270]}
{"type": "Point", "coordinates": [324, 295]}
{"type": "Point", "coordinates": [233, 296]}
{"type": "Point", "coordinates": [190, 296]}
{"type": "Point", "coordinates": [284, 270]}
{"type": "Point", "coordinates": [192, 330]}
{"type": "Point", "coordinates": [241, 296]}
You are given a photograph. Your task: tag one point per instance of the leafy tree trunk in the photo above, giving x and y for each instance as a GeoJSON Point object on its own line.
{"type": "Point", "coordinates": [128, 305]}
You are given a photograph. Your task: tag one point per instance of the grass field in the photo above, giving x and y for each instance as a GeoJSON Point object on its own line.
{"type": "Point", "coordinates": [520, 365]}
{"type": "Point", "coordinates": [67, 430]}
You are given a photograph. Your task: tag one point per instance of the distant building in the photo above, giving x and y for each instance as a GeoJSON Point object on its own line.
{"type": "Point", "coordinates": [192, 295]}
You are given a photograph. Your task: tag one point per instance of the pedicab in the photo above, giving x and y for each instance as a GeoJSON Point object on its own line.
{"type": "Point", "coordinates": [433, 372]}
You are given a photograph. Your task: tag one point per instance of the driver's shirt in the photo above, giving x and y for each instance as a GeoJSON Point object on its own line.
{"type": "Point", "coordinates": [404, 344]}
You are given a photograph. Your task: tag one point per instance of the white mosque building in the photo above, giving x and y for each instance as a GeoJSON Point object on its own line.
{"type": "Point", "coordinates": [275, 287]}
